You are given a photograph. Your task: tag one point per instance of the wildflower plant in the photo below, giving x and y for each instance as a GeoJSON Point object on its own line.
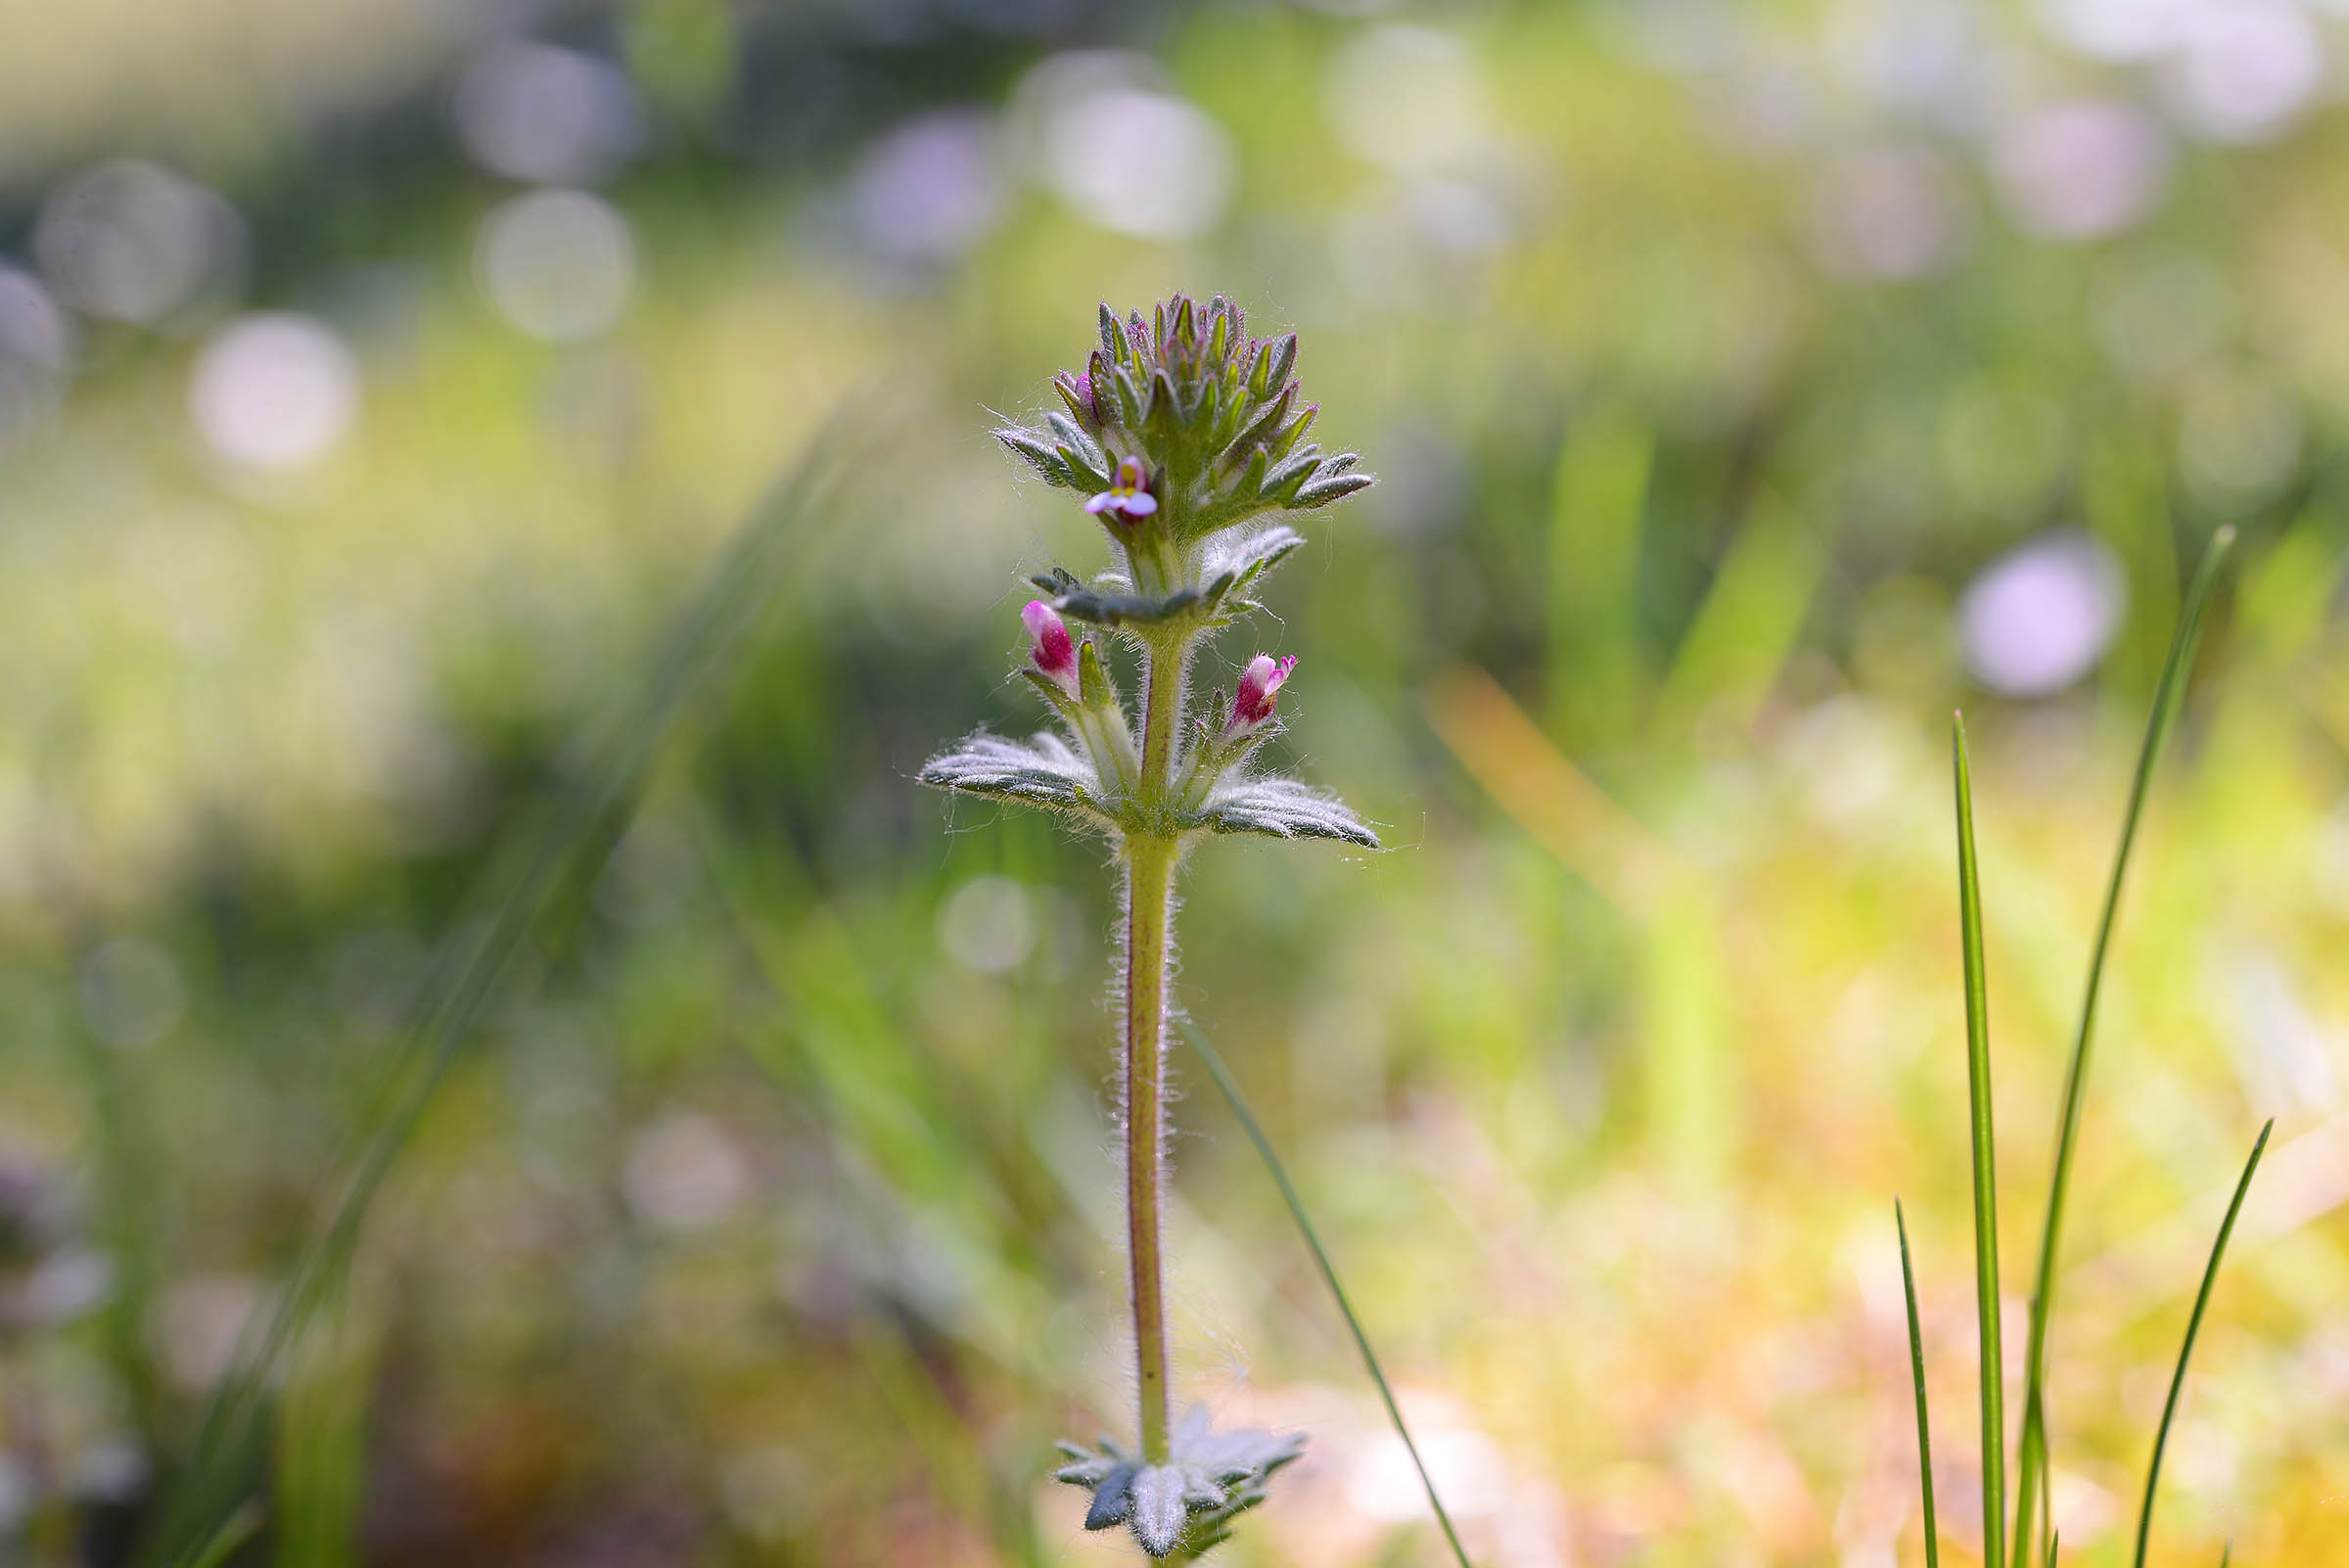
{"type": "Point", "coordinates": [1186, 439]}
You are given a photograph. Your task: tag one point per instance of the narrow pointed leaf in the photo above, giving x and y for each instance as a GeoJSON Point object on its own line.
{"type": "Point", "coordinates": [1321, 492]}
{"type": "Point", "coordinates": [1917, 1364]}
{"type": "Point", "coordinates": [2168, 694]}
{"type": "Point", "coordinates": [1245, 557]}
{"type": "Point", "coordinates": [1230, 1089]}
{"type": "Point", "coordinates": [2186, 1351]}
{"type": "Point", "coordinates": [1986, 1198]}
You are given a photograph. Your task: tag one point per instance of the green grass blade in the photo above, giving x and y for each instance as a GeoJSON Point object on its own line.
{"type": "Point", "coordinates": [2030, 1463]}
{"type": "Point", "coordinates": [232, 1532]}
{"type": "Point", "coordinates": [2176, 669]}
{"type": "Point", "coordinates": [1329, 1274]}
{"type": "Point", "coordinates": [1986, 1194]}
{"type": "Point", "coordinates": [2054, 1546]}
{"type": "Point", "coordinates": [530, 896]}
{"type": "Point", "coordinates": [1916, 1363]}
{"type": "Point", "coordinates": [2186, 1351]}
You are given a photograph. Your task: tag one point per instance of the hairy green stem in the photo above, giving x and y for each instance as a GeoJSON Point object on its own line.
{"type": "Point", "coordinates": [1150, 862]}
{"type": "Point", "coordinates": [1162, 718]}
{"type": "Point", "coordinates": [1149, 893]}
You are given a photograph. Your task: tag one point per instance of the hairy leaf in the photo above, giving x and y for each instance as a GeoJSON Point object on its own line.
{"type": "Point", "coordinates": [1284, 809]}
{"type": "Point", "coordinates": [1041, 770]}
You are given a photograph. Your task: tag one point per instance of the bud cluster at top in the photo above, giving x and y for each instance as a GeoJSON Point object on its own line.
{"type": "Point", "coordinates": [1185, 437]}
{"type": "Point", "coordinates": [1181, 427]}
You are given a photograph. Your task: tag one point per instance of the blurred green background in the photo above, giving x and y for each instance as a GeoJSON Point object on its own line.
{"type": "Point", "coordinates": [1749, 386]}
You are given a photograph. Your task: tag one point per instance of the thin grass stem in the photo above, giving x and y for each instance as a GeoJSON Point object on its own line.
{"type": "Point", "coordinates": [1986, 1198]}
{"type": "Point", "coordinates": [2031, 1468]}
{"type": "Point", "coordinates": [1329, 1273]}
{"type": "Point", "coordinates": [2186, 1351]}
{"type": "Point", "coordinates": [1917, 1364]}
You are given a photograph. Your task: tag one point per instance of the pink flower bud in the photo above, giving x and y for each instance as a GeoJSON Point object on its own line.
{"type": "Point", "coordinates": [1129, 497]}
{"type": "Point", "coordinates": [1260, 684]}
{"type": "Point", "coordinates": [1050, 645]}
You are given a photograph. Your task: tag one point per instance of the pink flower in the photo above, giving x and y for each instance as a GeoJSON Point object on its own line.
{"type": "Point", "coordinates": [1260, 684]}
{"type": "Point", "coordinates": [1129, 497]}
{"type": "Point", "coordinates": [1050, 645]}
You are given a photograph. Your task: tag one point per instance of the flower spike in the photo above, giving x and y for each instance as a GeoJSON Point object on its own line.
{"type": "Point", "coordinates": [1185, 437]}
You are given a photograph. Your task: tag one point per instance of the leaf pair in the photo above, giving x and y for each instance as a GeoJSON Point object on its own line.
{"type": "Point", "coordinates": [1228, 564]}
{"type": "Point", "coordinates": [1044, 770]}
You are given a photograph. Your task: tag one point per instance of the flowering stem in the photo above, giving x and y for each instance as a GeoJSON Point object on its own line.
{"type": "Point", "coordinates": [1150, 860]}
{"type": "Point", "coordinates": [1162, 717]}
{"type": "Point", "coordinates": [1149, 896]}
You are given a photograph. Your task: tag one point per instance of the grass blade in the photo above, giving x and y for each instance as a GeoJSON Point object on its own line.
{"type": "Point", "coordinates": [2186, 1351]}
{"type": "Point", "coordinates": [1917, 1362]}
{"type": "Point", "coordinates": [233, 1531]}
{"type": "Point", "coordinates": [527, 896]}
{"type": "Point", "coordinates": [2032, 1462]}
{"type": "Point", "coordinates": [1986, 1182]}
{"type": "Point", "coordinates": [1329, 1274]}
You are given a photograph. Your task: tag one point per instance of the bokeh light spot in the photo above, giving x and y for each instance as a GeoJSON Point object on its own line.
{"type": "Point", "coordinates": [2077, 170]}
{"type": "Point", "coordinates": [37, 351]}
{"type": "Point", "coordinates": [1129, 155]}
{"type": "Point", "coordinates": [135, 242]}
{"type": "Point", "coordinates": [533, 112]}
{"type": "Point", "coordinates": [988, 924]}
{"type": "Point", "coordinates": [275, 391]}
{"type": "Point", "coordinates": [2041, 615]}
{"type": "Point", "coordinates": [928, 189]}
{"type": "Point", "coordinates": [559, 264]}
{"type": "Point", "coordinates": [1408, 99]}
